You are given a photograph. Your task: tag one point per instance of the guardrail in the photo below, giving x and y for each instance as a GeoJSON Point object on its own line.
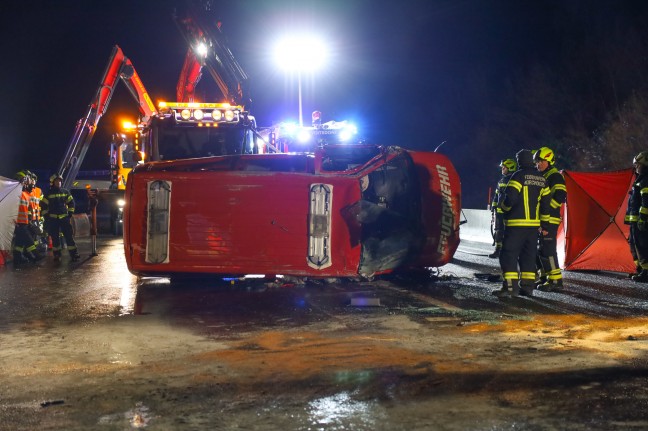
{"type": "Point", "coordinates": [477, 226]}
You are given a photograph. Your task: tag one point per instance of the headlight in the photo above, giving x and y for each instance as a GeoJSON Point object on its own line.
{"type": "Point", "coordinates": [229, 115]}
{"type": "Point", "coordinates": [199, 114]}
{"type": "Point", "coordinates": [216, 115]}
{"type": "Point", "coordinates": [185, 114]}
{"type": "Point", "coordinates": [121, 203]}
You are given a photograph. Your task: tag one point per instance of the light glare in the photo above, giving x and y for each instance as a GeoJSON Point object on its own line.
{"type": "Point", "coordinates": [201, 49]}
{"type": "Point", "coordinates": [303, 136]}
{"type": "Point", "coordinates": [301, 53]}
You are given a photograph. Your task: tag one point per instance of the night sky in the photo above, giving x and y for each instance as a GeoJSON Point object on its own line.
{"type": "Point", "coordinates": [409, 73]}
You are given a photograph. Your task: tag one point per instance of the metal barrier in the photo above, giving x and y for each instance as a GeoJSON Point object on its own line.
{"type": "Point", "coordinates": [477, 226]}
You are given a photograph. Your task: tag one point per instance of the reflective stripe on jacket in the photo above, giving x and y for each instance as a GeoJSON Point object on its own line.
{"type": "Point", "coordinates": [34, 204]}
{"type": "Point", "coordinates": [23, 208]}
{"type": "Point", "coordinates": [499, 193]}
{"type": "Point", "coordinates": [638, 201]}
{"type": "Point", "coordinates": [558, 189]}
{"type": "Point", "coordinates": [57, 203]}
{"type": "Point", "coordinates": [527, 199]}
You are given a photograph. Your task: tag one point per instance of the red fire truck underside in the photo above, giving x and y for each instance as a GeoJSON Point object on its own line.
{"type": "Point", "coordinates": [345, 211]}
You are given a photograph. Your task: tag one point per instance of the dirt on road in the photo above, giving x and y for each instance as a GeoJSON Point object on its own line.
{"type": "Point", "coordinates": [133, 354]}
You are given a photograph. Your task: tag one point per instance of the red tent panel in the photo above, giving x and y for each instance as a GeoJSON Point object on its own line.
{"type": "Point", "coordinates": [592, 235]}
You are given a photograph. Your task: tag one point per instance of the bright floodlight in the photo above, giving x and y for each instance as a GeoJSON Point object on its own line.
{"type": "Point", "coordinates": [290, 128]}
{"type": "Point", "coordinates": [201, 49]}
{"type": "Point", "coordinates": [301, 53]}
{"type": "Point", "coordinates": [303, 136]}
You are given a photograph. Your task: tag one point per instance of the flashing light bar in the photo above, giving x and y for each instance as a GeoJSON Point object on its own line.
{"type": "Point", "coordinates": [344, 131]}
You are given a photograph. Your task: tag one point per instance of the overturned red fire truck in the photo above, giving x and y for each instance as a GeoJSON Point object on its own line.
{"type": "Point", "coordinates": [342, 211]}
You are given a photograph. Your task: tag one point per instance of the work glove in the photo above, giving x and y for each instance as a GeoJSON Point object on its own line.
{"type": "Point", "coordinates": [642, 226]}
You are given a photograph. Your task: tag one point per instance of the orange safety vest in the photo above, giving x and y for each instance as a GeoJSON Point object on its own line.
{"type": "Point", "coordinates": [34, 204]}
{"type": "Point", "coordinates": [23, 208]}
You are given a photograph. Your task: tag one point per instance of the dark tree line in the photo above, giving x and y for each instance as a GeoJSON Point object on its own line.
{"type": "Point", "coordinates": [586, 97]}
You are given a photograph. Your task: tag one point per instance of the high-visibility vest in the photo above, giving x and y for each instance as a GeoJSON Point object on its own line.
{"type": "Point", "coordinates": [34, 204]}
{"type": "Point", "coordinates": [23, 208]}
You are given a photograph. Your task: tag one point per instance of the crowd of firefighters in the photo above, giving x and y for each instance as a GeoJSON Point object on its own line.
{"type": "Point", "coordinates": [527, 213]}
{"type": "Point", "coordinates": [43, 218]}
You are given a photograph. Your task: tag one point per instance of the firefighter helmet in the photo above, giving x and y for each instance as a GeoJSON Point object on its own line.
{"type": "Point", "coordinates": [641, 159]}
{"type": "Point", "coordinates": [20, 175]}
{"type": "Point", "coordinates": [55, 177]}
{"type": "Point", "coordinates": [546, 154]}
{"type": "Point", "coordinates": [509, 164]}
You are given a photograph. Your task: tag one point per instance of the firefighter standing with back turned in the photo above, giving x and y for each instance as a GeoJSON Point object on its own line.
{"type": "Point", "coordinates": [57, 208]}
{"type": "Point", "coordinates": [508, 167]}
{"type": "Point", "coordinates": [526, 200]}
{"type": "Point", "coordinates": [637, 217]}
{"type": "Point", "coordinates": [550, 279]}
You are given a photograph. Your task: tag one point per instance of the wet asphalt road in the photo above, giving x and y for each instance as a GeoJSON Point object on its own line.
{"type": "Point", "coordinates": [89, 346]}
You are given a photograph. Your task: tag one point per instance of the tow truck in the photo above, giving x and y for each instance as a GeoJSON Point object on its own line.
{"type": "Point", "coordinates": [186, 128]}
{"type": "Point", "coordinates": [119, 68]}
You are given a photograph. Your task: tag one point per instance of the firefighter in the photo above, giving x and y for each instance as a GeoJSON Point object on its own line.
{"type": "Point", "coordinates": [35, 219]}
{"type": "Point", "coordinates": [24, 249]}
{"type": "Point", "coordinates": [508, 167]}
{"type": "Point", "coordinates": [525, 204]}
{"type": "Point", "coordinates": [58, 207]}
{"type": "Point", "coordinates": [550, 275]}
{"type": "Point", "coordinates": [637, 216]}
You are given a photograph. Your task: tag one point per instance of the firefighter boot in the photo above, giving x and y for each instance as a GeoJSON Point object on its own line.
{"type": "Point", "coordinates": [541, 277]}
{"type": "Point", "coordinates": [57, 255]}
{"type": "Point", "coordinates": [636, 273]}
{"type": "Point", "coordinates": [551, 286]}
{"type": "Point", "coordinates": [642, 277]}
{"type": "Point", "coordinates": [74, 255]}
{"type": "Point", "coordinates": [504, 292]}
{"type": "Point", "coordinates": [34, 257]}
{"type": "Point", "coordinates": [496, 253]}
{"type": "Point", "coordinates": [18, 259]}
{"type": "Point", "coordinates": [526, 288]}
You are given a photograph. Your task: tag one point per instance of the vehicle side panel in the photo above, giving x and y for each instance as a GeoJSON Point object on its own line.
{"type": "Point", "coordinates": [234, 222]}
